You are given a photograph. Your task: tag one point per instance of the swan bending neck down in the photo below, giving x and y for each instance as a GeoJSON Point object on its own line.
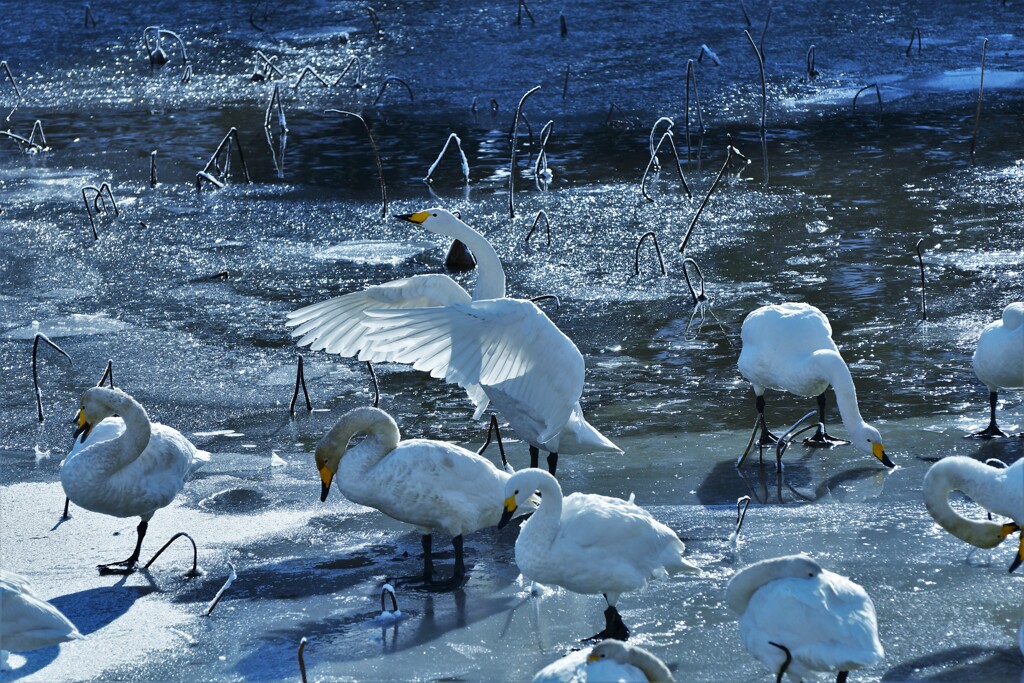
{"type": "Point", "coordinates": [27, 622]}
{"type": "Point", "coordinates": [590, 544]}
{"type": "Point", "coordinates": [609, 660]}
{"type": "Point", "coordinates": [432, 485]}
{"type": "Point", "coordinates": [797, 618]}
{"type": "Point", "coordinates": [1000, 491]}
{"type": "Point", "coordinates": [132, 474]}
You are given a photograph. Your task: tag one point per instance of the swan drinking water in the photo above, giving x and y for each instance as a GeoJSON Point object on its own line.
{"type": "Point", "coordinates": [502, 351]}
{"type": "Point", "coordinates": [997, 490]}
{"type": "Point", "coordinates": [433, 485]}
{"type": "Point", "coordinates": [138, 468]}
{"type": "Point", "coordinates": [590, 544]}
{"type": "Point", "coordinates": [789, 347]}
{"type": "Point", "coordinates": [27, 622]}
{"type": "Point", "coordinates": [797, 618]}
{"type": "Point", "coordinates": [999, 361]}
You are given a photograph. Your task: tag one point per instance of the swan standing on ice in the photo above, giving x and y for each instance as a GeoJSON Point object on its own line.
{"type": "Point", "coordinates": [999, 361]}
{"type": "Point", "coordinates": [27, 622]}
{"type": "Point", "coordinates": [500, 350]}
{"type": "Point", "coordinates": [138, 468]}
{"type": "Point", "coordinates": [432, 485]}
{"type": "Point", "coordinates": [797, 618]}
{"type": "Point", "coordinates": [610, 660]}
{"type": "Point", "coordinates": [789, 347]}
{"type": "Point", "coordinates": [1000, 491]}
{"type": "Point", "coordinates": [590, 544]}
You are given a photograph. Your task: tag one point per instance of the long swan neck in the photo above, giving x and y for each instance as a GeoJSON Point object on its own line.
{"type": "Point", "coordinates": [490, 278]}
{"type": "Point", "coordinates": [834, 368]}
{"type": "Point", "coordinates": [382, 437]}
{"type": "Point", "coordinates": [653, 668]}
{"type": "Point", "coordinates": [543, 524]}
{"type": "Point", "coordinates": [968, 476]}
{"type": "Point", "coordinates": [137, 428]}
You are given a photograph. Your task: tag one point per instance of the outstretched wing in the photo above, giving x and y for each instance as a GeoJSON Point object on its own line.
{"type": "Point", "coordinates": [531, 372]}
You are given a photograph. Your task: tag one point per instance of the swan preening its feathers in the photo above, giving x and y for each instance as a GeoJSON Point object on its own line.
{"type": "Point", "coordinates": [789, 347]}
{"type": "Point", "coordinates": [125, 466]}
{"type": "Point", "coordinates": [1000, 491]}
{"type": "Point", "coordinates": [999, 360]}
{"type": "Point", "coordinates": [27, 622]}
{"type": "Point", "coordinates": [503, 352]}
{"type": "Point", "coordinates": [433, 485]}
{"type": "Point", "coordinates": [797, 618]}
{"type": "Point", "coordinates": [609, 660]}
{"type": "Point", "coordinates": [590, 544]}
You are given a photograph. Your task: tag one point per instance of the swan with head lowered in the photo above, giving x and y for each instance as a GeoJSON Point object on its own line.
{"type": "Point", "coordinates": [136, 469]}
{"type": "Point", "coordinates": [27, 622]}
{"type": "Point", "coordinates": [433, 485]}
{"type": "Point", "coordinates": [590, 544]}
{"type": "Point", "coordinates": [789, 347]}
{"type": "Point", "coordinates": [999, 361]}
{"type": "Point", "coordinates": [504, 352]}
{"type": "Point", "coordinates": [609, 660]}
{"type": "Point", "coordinates": [1000, 491]}
{"type": "Point", "coordinates": [797, 618]}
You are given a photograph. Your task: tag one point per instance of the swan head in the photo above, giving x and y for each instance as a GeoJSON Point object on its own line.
{"type": "Point", "coordinates": [520, 488]}
{"type": "Point", "coordinates": [95, 406]}
{"type": "Point", "coordinates": [869, 440]}
{"type": "Point", "coordinates": [608, 649]}
{"type": "Point", "coordinates": [437, 220]}
{"type": "Point", "coordinates": [332, 447]}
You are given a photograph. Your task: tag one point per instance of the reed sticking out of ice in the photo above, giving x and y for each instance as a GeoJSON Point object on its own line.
{"type": "Point", "coordinates": [742, 503]}
{"type": "Point", "coordinates": [697, 298]}
{"type": "Point", "coordinates": [512, 143]}
{"type": "Point", "coordinates": [981, 90]}
{"type": "Point", "coordinates": [220, 594]}
{"type": "Point", "coordinates": [764, 30]}
{"type": "Point", "coordinates": [494, 106]}
{"type": "Point", "coordinates": [95, 206]}
{"type": "Point", "coordinates": [705, 50]}
{"type": "Point", "coordinates": [311, 71]}
{"type": "Point", "coordinates": [302, 661]}
{"type": "Point", "coordinates": [730, 150]}
{"type": "Point", "coordinates": [764, 89]}
{"type": "Point", "coordinates": [195, 571]}
{"type": "Point", "coordinates": [300, 381]}
{"type": "Point", "coordinates": [657, 250]}
{"type": "Point", "coordinates": [376, 385]}
{"type": "Point", "coordinates": [275, 101]}
{"type": "Point", "coordinates": [563, 30]}
{"type": "Point", "coordinates": [920, 263]}
{"type": "Point", "coordinates": [746, 17]}
{"type": "Point", "coordinates": [264, 68]}
{"type": "Point", "coordinates": [108, 374]}
{"type": "Point", "coordinates": [384, 86]}
{"type": "Point", "coordinates": [540, 169]}
{"type": "Point", "coordinates": [519, 13]}
{"type": "Point", "coordinates": [812, 73]}
{"type": "Point", "coordinates": [152, 168]}
{"type": "Point", "coordinates": [462, 158]}
{"type": "Point", "coordinates": [376, 22]}
{"type": "Point", "coordinates": [388, 589]}
{"type": "Point", "coordinates": [376, 156]}
{"type": "Point", "coordinates": [35, 374]}
{"type": "Point", "coordinates": [536, 221]}
{"type": "Point", "coordinates": [89, 16]}
{"type": "Point", "coordinates": [691, 75]}
{"type": "Point", "coordinates": [650, 137]}
{"type": "Point", "coordinates": [565, 83]}
{"type": "Point", "coordinates": [915, 32]}
{"type": "Point", "coordinates": [791, 434]}
{"type": "Point", "coordinates": [30, 144]}
{"type": "Point", "coordinates": [616, 123]}
{"type": "Point", "coordinates": [878, 94]}
{"type": "Point", "coordinates": [667, 135]}
{"type": "Point", "coordinates": [14, 84]}
{"type": "Point", "coordinates": [266, 14]}
{"type": "Point", "coordinates": [153, 37]}
{"type": "Point", "coordinates": [358, 83]}
{"type": "Point", "coordinates": [492, 428]}
{"type": "Point", "coordinates": [216, 174]}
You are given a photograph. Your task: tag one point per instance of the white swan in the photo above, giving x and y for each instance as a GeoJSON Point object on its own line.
{"type": "Point", "coordinates": [999, 360]}
{"type": "Point", "coordinates": [136, 470]}
{"type": "Point", "coordinates": [590, 544]}
{"type": "Point", "coordinates": [501, 351]}
{"type": "Point", "coordinates": [1000, 491]}
{"type": "Point", "coordinates": [797, 618]}
{"type": "Point", "coordinates": [27, 622]}
{"type": "Point", "coordinates": [433, 485]}
{"type": "Point", "coordinates": [610, 661]}
{"type": "Point", "coordinates": [789, 347]}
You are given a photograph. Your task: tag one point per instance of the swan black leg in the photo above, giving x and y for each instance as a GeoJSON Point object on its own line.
{"type": "Point", "coordinates": [766, 438]}
{"type": "Point", "coordinates": [613, 626]}
{"type": "Point", "coordinates": [131, 565]}
{"type": "Point", "coordinates": [841, 678]}
{"type": "Point", "coordinates": [821, 438]}
{"type": "Point", "coordinates": [460, 566]}
{"type": "Point", "coordinates": [552, 463]}
{"type": "Point", "coordinates": [785, 664]}
{"type": "Point", "coordinates": [534, 456]}
{"type": "Point", "coordinates": [428, 561]}
{"type": "Point", "coordinates": [992, 431]}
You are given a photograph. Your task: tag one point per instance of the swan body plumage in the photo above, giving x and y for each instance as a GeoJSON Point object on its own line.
{"type": "Point", "coordinates": [999, 358]}
{"type": "Point", "coordinates": [610, 661]}
{"type": "Point", "coordinates": [1000, 491]}
{"type": "Point", "coordinates": [433, 485]}
{"type": "Point", "coordinates": [826, 621]}
{"type": "Point", "coordinates": [502, 351]}
{"type": "Point", "coordinates": [134, 467]}
{"type": "Point", "coordinates": [789, 347]}
{"type": "Point", "coordinates": [588, 543]}
{"type": "Point", "coordinates": [27, 622]}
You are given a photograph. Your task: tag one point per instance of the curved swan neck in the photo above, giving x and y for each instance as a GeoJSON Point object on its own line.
{"type": "Point", "coordinates": [972, 478]}
{"type": "Point", "coordinates": [544, 523]}
{"type": "Point", "coordinates": [137, 428]}
{"type": "Point", "coordinates": [382, 437]}
{"type": "Point", "coordinates": [743, 585]}
{"type": "Point", "coordinates": [490, 278]}
{"type": "Point", "coordinates": [834, 368]}
{"type": "Point", "coordinates": [652, 667]}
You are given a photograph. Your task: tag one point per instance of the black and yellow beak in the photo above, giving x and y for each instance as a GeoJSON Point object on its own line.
{"type": "Point", "coordinates": [326, 476]}
{"type": "Point", "coordinates": [510, 509]}
{"type": "Point", "coordinates": [593, 658]}
{"type": "Point", "coordinates": [417, 217]}
{"type": "Point", "coordinates": [83, 426]}
{"type": "Point", "coordinates": [879, 452]}
{"type": "Point", "coordinates": [1019, 557]}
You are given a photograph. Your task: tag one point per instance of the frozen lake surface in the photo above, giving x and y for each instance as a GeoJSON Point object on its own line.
{"type": "Point", "coordinates": [187, 293]}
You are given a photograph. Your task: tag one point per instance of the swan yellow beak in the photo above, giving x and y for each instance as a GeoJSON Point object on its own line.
{"type": "Point", "coordinates": [417, 217]}
{"type": "Point", "coordinates": [879, 452]}
{"type": "Point", "coordinates": [593, 658]}
{"type": "Point", "coordinates": [83, 426]}
{"type": "Point", "coordinates": [506, 514]}
{"type": "Point", "coordinates": [326, 476]}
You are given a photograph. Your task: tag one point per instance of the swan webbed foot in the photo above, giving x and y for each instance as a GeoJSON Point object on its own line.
{"type": "Point", "coordinates": [613, 627]}
{"type": "Point", "coordinates": [991, 432]}
{"type": "Point", "coordinates": [823, 439]}
{"type": "Point", "coordinates": [123, 568]}
{"type": "Point", "coordinates": [767, 439]}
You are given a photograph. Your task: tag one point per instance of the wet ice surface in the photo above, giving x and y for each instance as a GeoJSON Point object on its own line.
{"type": "Point", "coordinates": [187, 294]}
